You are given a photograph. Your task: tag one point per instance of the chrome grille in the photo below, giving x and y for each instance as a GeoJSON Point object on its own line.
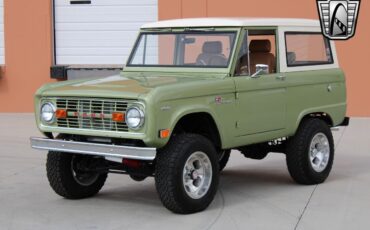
{"type": "Point", "coordinates": [92, 114]}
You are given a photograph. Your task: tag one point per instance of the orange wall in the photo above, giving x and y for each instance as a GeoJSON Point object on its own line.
{"type": "Point", "coordinates": [28, 43]}
{"type": "Point", "coordinates": [354, 54]}
{"type": "Point", "coordinates": [28, 53]}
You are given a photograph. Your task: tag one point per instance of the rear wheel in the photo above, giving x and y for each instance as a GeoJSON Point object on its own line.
{"type": "Point", "coordinates": [310, 153]}
{"type": "Point", "coordinates": [73, 176]}
{"type": "Point", "coordinates": [187, 173]}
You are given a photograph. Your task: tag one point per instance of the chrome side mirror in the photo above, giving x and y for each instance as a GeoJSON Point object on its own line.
{"type": "Point", "coordinates": [260, 70]}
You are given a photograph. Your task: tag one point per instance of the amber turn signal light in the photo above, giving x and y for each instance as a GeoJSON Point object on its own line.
{"type": "Point", "coordinates": [61, 113]}
{"type": "Point", "coordinates": [118, 117]}
{"type": "Point", "coordinates": [164, 133]}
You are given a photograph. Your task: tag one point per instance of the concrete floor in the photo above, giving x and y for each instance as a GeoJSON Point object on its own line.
{"type": "Point", "coordinates": [252, 194]}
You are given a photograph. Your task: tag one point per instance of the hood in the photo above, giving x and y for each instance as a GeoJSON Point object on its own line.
{"type": "Point", "coordinates": [127, 85]}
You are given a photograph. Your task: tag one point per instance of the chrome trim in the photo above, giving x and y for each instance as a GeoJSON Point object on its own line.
{"type": "Point", "coordinates": [67, 130]}
{"type": "Point", "coordinates": [128, 100]}
{"type": "Point", "coordinates": [53, 119]}
{"type": "Point", "coordinates": [91, 113]}
{"type": "Point", "coordinates": [197, 175]}
{"type": "Point", "coordinates": [319, 152]}
{"type": "Point", "coordinates": [54, 127]}
{"type": "Point", "coordinates": [104, 150]}
{"type": "Point", "coordinates": [142, 117]}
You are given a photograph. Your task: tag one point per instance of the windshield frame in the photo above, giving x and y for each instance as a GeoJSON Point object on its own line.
{"type": "Point", "coordinates": [188, 68]}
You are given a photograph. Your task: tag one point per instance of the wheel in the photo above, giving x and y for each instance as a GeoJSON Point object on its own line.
{"type": "Point", "coordinates": [187, 173]}
{"type": "Point", "coordinates": [223, 159]}
{"type": "Point", "coordinates": [70, 175]}
{"type": "Point", "coordinates": [310, 153]}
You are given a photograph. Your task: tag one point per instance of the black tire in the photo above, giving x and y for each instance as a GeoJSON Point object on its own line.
{"type": "Point", "coordinates": [169, 173]}
{"type": "Point", "coordinates": [62, 179]}
{"type": "Point", "coordinates": [298, 152]}
{"type": "Point", "coordinates": [224, 158]}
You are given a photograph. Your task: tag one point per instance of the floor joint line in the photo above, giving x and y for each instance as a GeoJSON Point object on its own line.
{"type": "Point", "coordinates": [305, 207]}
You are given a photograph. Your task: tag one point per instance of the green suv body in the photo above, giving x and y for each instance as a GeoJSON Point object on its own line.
{"type": "Point", "coordinates": [192, 90]}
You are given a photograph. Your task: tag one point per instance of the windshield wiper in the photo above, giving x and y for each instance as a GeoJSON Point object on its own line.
{"type": "Point", "coordinates": [199, 29]}
{"type": "Point", "coordinates": [158, 29]}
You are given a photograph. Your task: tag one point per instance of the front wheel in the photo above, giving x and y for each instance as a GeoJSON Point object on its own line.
{"type": "Point", "coordinates": [187, 173]}
{"type": "Point", "coordinates": [73, 176]}
{"type": "Point", "coordinates": [224, 158]}
{"type": "Point", "coordinates": [310, 153]}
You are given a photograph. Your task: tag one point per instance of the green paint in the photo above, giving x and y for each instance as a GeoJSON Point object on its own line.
{"type": "Point", "coordinates": [252, 109]}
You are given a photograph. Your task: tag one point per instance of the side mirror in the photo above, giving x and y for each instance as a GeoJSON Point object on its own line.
{"type": "Point", "coordinates": [260, 70]}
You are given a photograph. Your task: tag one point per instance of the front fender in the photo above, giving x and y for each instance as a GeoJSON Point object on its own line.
{"type": "Point", "coordinates": [169, 113]}
{"type": "Point", "coordinates": [168, 104]}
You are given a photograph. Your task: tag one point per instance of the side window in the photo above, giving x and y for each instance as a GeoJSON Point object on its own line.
{"type": "Point", "coordinates": [304, 49]}
{"type": "Point", "coordinates": [259, 48]}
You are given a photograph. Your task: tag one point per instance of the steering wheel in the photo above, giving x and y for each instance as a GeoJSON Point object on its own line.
{"type": "Point", "coordinates": [202, 62]}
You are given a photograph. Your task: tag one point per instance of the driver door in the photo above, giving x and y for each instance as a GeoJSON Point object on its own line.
{"type": "Point", "coordinates": [261, 98]}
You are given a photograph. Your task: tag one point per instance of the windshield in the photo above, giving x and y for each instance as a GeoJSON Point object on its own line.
{"type": "Point", "coordinates": [184, 49]}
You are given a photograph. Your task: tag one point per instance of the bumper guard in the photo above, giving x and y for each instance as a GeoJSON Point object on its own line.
{"type": "Point", "coordinates": [104, 150]}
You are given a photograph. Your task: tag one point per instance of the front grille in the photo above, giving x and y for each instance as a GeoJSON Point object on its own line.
{"type": "Point", "coordinates": [92, 114]}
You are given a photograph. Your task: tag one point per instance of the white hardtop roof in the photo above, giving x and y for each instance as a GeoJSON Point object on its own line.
{"type": "Point", "coordinates": [237, 22]}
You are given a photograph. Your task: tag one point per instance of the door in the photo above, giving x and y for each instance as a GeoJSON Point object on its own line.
{"type": "Point", "coordinates": [261, 98]}
{"type": "Point", "coordinates": [99, 31]}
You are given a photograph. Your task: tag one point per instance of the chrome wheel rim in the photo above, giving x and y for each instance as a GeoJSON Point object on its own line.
{"type": "Point", "coordinates": [82, 177]}
{"type": "Point", "coordinates": [319, 152]}
{"type": "Point", "coordinates": [197, 175]}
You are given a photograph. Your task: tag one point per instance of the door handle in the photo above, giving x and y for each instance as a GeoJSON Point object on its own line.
{"type": "Point", "coordinates": [280, 77]}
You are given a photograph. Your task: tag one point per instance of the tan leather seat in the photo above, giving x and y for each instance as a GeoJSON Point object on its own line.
{"type": "Point", "coordinates": [260, 53]}
{"type": "Point", "coordinates": [212, 55]}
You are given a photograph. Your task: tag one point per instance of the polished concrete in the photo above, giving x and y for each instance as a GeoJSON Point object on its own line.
{"type": "Point", "coordinates": [252, 194]}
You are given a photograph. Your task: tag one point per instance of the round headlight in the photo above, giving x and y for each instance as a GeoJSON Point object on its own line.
{"type": "Point", "coordinates": [134, 118]}
{"type": "Point", "coordinates": [48, 112]}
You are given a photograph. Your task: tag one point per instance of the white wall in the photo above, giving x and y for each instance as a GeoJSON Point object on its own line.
{"type": "Point", "coordinates": [100, 33]}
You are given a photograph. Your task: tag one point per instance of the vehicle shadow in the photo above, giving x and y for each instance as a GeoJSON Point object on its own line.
{"type": "Point", "coordinates": [135, 193]}
{"type": "Point", "coordinates": [240, 183]}
{"type": "Point", "coordinates": [234, 180]}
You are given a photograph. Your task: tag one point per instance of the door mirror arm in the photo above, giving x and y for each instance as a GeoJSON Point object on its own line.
{"type": "Point", "coordinates": [257, 74]}
{"type": "Point", "coordinates": [260, 69]}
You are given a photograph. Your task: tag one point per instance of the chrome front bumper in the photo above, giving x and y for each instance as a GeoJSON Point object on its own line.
{"type": "Point", "coordinates": [103, 150]}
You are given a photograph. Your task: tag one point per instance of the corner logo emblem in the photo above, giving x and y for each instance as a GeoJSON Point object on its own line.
{"type": "Point", "coordinates": [338, 18]}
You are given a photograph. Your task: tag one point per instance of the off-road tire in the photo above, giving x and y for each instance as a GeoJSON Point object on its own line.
{"type": "Point", "coordinates": [224, 159]}
{"type": "Point", "coordinates": [59, 173]}
{"type": "Point", "coordinates": [169, 173]}
{"type": "Point", "coordinates": [297, 153]}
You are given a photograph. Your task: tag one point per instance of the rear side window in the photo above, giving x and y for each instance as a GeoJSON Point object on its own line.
{"type": "Point", "coordinates": [304, 49]}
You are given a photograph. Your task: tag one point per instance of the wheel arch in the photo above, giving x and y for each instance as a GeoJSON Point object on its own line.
{"type": "Point", "coordinates": [319, 115]}
{"type": "Point", "coordinates": [199, 122]}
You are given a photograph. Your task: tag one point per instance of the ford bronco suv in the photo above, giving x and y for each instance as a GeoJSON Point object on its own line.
{"type": "Point", "coordinates": [192, 90]}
